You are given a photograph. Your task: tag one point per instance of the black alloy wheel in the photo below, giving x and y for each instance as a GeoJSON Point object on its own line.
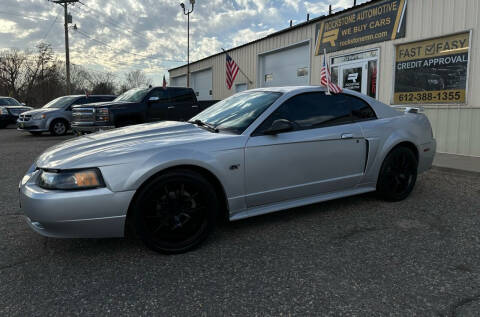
{"type": "Point", "coordinates": [175, 211]}
{"type": "Point", "coordinates": [398, 174]}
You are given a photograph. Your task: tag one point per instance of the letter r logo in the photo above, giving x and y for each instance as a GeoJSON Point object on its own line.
{"type": "Point", "coordinates": [330, 37]}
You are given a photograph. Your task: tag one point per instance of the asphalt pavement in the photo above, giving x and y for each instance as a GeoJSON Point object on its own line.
{"type": "Point", "coordinates": [357, 256]}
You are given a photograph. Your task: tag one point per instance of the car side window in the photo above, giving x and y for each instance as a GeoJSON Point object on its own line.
{"type": "Point", "coordinates": [162, 94]}
{"type": "Point", "coordinates": [81, 101]}
{"type": "Point", "coordinates": [181, 95]}
{"type": "Point", "coordinates": [311, 111]}
{"type": "Point", "coordinates": [361, 111]}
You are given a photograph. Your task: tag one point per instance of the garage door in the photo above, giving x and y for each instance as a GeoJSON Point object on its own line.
{"type": "Point", "coordinates": [202, 84]}
{"type": "Point", "coordinates": [180, 81]}
{"type": "Point", "coordinates": [286, 67]}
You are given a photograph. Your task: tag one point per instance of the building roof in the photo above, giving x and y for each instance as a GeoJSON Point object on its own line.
{"type": "Point", "coordinates": [311, 21]}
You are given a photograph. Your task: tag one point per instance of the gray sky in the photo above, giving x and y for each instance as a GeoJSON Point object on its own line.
{"type": "Point", "coordinates": [123, 35]}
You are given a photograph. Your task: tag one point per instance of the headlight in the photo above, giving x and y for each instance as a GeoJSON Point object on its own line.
{"type": "Point", "coordinates": [39, 116]}
{"type": "Point", "coordinates": [3, 110]}
{"type": "Point", "coordinates": [70, 179]}
{"type": "Point", "coordinates": [102, 115]}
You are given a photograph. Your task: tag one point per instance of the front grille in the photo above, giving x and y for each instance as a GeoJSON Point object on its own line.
{"type": "Point", "coordinates": [16, 112]}
{"type": "Point", "coordinates": [83, 115]}
{"type": "Point", "coordinates": [24, 117]}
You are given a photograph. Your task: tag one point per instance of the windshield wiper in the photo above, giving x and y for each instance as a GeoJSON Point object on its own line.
{"type": "Point", "coordinates": [208, 126]}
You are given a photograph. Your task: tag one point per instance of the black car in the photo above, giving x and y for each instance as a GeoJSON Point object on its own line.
{"type": "Point", "coordinates": [10, 109]}
{"type": "Point", "coordinates": [138, 105]}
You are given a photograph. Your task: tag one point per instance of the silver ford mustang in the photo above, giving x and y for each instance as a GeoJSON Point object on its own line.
{"type": "Point", "coordinates": [256, 152]}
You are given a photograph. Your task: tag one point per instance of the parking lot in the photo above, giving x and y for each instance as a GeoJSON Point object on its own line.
{"type": "Point", "coordinates": [355, 256]}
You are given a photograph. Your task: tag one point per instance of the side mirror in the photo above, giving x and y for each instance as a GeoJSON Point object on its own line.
{"type": "Point", "coordinates": [153, 98]}
{"type": "Point", "coordinates": [279, 126]}
{"type": "Point", "coordinates": [23, 104]}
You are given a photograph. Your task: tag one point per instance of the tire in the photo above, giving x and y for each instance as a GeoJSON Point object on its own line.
{"type": "Point", "coordinates": [35, 133]}
{"type": "Point", "coordinates": [175, 211]}
{"type": "Point", "coordinates": [398, 174]}
{"type": "Point", "coordinates": [58, 127]}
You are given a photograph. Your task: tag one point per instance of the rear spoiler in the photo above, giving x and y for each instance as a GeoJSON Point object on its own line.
{"type": "Point", "coordinates": [410, 109]}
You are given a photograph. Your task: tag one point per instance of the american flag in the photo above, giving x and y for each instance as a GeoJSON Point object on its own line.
{"type": "Point", "coordinates": [325, 79]}
{"type": "Point", "coordinates": [164, 84]}
{"type": "Point", "coordinates": [232, 71]}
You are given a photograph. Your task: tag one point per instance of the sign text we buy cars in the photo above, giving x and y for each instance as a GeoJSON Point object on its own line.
{"type": "Point", "coordinates": [379, 22]}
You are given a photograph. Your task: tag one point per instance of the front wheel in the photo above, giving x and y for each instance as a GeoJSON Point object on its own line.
{"type": "Point", "coordinates": [398, 174]}
{"type": "Point", "coordinates": [175, 211]}
{"type": "Point", "coordinates": [58, 127]}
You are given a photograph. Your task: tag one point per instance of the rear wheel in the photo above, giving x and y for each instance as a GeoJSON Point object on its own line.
{"type": "Point", "coordinates": [175, 211]}
{"type": "Point", "coordinates": [58, 127]}
{"type": "Point", "coordinates": [398, 174]}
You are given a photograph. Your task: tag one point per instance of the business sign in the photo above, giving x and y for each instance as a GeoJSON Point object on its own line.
{"type": "Point", "coordinates": [432, 71]}
{"type": "Point", "coordinates": [379, 22]}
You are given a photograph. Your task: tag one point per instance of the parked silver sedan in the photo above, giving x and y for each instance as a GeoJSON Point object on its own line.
{"type": "Point", "coordinates": [256, 152]}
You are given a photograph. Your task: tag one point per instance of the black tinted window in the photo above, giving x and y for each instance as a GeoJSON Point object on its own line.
{"type": "Point", "coordinates": [361, 111]}
{"type": "Point", "coordinates": [82, 100]}
{"type": "Point", "coordinates": [311, 110]}
{"type": "Point", "coordinates": [162, 95]}
{"type": "Point", "coordinates": [181, 95]}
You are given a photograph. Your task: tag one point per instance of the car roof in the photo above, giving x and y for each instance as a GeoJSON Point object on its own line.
{"type": "Point", "coordinates": [382, 110]}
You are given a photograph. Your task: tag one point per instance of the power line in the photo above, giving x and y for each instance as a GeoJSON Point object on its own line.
{"type": "Point", "coordinates": [51, 27]}
{"type": "Point", "coordinates": [126, 31]}
{"type": "Point", "coordinates": [124, 51]}
{"type": "Point", "coordinates": [116, 24]}
{"type": "Point", "coordinates": [23, 16]}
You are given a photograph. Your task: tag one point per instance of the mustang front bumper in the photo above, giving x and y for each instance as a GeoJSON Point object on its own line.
{"type": "Point", "coordinates": [94, 213]}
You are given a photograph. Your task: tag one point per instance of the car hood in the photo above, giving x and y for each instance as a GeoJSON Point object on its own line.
{"type": "Point", "coordinates": [103, 104]}
{"type": "Point", "coordinates": [15, 107]}
{"type": "Point", "coordinates": [125, 145]}
{"type": "Point", "coordinates": [41, 110]}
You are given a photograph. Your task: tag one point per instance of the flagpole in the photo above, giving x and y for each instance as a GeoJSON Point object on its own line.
{"type": "Point", "coordinates": [327, 70]}
{"type": "Point", "coordinates": [241, 71]}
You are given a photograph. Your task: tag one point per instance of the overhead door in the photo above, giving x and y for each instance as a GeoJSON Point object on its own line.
{"type": "Point", "coordinates": [179, 81]}
{"type": "Point", "coordinates": [202, 84]}
{"type": "Point", "coordinates": [286, 67]}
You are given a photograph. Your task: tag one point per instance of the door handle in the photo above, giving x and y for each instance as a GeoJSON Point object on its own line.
{"type": "Point", "coordinates": [194, 106]}
{"type": "Point", "coordinates": [171, 107]}
{"type": "Point", "coordinates": [347, 136]}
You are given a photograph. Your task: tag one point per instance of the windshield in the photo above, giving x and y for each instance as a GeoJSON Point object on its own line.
{"type": "Point", "coordinates": [9, 102]}
{"type": "Point", "coordinates": [237, 112]}
{"type": "Point", "coordinates": [133, 95]}
{"type": "Point", "coordinates": [60, 102]}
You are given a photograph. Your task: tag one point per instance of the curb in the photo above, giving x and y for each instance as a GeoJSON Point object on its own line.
{"type": "Point", "coordinates": [456, 170]}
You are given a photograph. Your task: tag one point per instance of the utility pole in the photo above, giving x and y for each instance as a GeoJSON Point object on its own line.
{"type": "Point", "coordinates": [65, 3]}
{"type": "Point", "coordinates": [187, 13]}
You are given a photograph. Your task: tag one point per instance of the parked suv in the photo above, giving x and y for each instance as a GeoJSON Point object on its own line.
{"type": "Point", "coordinates": [10, 108]}
{"type": "Point", "coordinates": [138, 105]}
{"type": "Point", "coordinates": [56, 115]}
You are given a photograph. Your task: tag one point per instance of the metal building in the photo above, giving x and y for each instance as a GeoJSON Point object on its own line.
{"type": "Point", "coordinates": [422, 52]}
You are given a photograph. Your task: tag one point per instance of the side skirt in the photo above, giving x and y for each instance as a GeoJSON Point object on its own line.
{"type": "Point", "coordinates": [261, 210]}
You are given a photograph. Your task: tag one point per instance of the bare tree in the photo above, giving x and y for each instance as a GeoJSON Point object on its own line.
{"type": "Point", "coordinates": [12, 64]}
{"type": "Point", "coordinates": [102, 83]}
{"type": "Point", "coordinates": [36, 77]}
{"type": "Point", "coordinates": [134, 79]}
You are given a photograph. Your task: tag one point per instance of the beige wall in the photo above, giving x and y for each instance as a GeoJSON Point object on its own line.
{"type": "Point", "coordinates": [457, 128]}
